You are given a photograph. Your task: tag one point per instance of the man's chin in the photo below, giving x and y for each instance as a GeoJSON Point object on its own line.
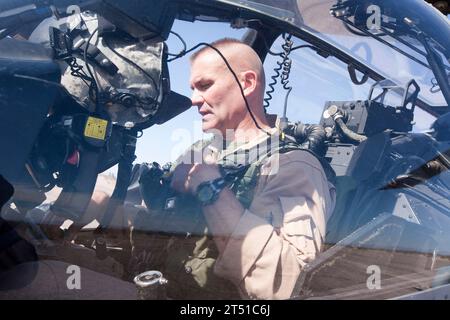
{"type": "Point", "coordinates": [207, 126]}
{"type": "Point", "coordinates": [210, 128]}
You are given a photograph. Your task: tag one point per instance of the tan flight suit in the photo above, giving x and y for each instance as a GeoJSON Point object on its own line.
{"type": "Point", "coordinates": [287, 201]}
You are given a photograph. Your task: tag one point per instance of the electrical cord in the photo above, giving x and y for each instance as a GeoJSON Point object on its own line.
{"type": "Point", "coordinates": [286, 70]}
{"type": "Point", "coordinates": [286, 63]}
{"type": "Point", "coordinates": [268, 48]}
{"type": "Point", "coordinates": [135, 65]}
{"type": "Point", "coordinates": [278, 71]}
{"type": "Point", "coordinates": [283, 69]}
{"type": "Point", "coordinates": [130, 62]}
{"type": "Point", "coordinates": [124, 96]}
{"type": "Point", "coordinates": [76, 70]}
{"type": "Point", "coordinates": [279, 54]}
{"type": "Point", "coordinates": [272, 84]}
{"type": "Point", "coordinates": [181, 53]}
{"type": "Point", "coordinates": [93, 86]}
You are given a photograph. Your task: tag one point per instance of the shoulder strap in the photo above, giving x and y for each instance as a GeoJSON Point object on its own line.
{"type": "Point", "coordinates": [244, 187]}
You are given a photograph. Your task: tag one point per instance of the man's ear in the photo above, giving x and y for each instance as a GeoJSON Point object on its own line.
{"type": "Point", "coordinates": [249, 81]}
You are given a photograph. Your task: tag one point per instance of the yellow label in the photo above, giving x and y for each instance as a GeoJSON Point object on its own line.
{"type": "Point", "coordinates": [96, 128]}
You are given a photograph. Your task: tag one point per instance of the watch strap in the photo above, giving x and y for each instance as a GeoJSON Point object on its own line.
{"type": "Point", "coordinates": [216, 186]}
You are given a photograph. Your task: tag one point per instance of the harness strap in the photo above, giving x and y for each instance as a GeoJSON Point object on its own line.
{"type": "Point", "coordinates": [244, 186]}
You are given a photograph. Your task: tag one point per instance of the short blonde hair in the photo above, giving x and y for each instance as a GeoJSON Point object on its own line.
{"type": "Point", "coordinates": [218, 44]}
{"type": "Point", "coordinates": [227, 43]}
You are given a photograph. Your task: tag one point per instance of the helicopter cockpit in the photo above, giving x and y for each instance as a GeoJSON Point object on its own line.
{"type": "Point", "coordinates": [364, 85]}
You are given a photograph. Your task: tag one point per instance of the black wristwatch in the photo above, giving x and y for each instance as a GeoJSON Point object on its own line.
{"type": "Point", "coordinates": [208, 191]}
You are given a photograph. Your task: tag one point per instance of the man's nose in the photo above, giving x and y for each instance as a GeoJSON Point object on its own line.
{"type": "Point", "coordinates": [197, 99]}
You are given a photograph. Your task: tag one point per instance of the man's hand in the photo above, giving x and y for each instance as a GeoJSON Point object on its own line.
{"type": "Point", "coordinates": [224, 214]}
{"type": "Point", "coordinates": [187, 177]}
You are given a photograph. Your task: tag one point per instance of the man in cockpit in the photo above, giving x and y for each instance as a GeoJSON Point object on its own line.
{"type": "Point", "coordinates": [256, 234]}
{"type": "Point", "coordinates": [249, 233]}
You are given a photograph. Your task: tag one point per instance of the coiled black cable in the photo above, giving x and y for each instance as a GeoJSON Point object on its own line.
{"type": "Point", "coordinates": [282, 70]}
{"type": "Point", "coordinates": [286, 71]}
{"type": "Point", "coordinates": [77, 71]}
{"type": "Point", "coordinates": [286, 63]}
{"type": "Point", "coordinates": [271, 85]}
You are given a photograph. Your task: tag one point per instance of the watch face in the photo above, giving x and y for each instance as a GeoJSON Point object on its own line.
{"type": "Point", "coordinates": [205, 193]}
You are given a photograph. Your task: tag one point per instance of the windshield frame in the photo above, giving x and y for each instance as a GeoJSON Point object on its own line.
{"type": "Point", "coordinates": [285, 23]}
